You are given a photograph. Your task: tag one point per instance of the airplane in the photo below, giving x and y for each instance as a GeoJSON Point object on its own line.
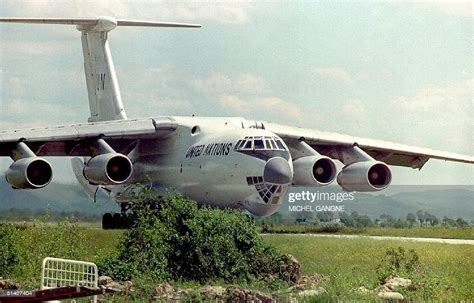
{"type": "Point", "coordinates": [224, 162]}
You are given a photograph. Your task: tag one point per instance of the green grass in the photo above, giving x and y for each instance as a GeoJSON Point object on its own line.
{"type": "Point", "coordinates": [101, 242]}
{"type": "Point", "coordinates": [418, 232]}
{"type": "Point", "coordinates": [350, 263]}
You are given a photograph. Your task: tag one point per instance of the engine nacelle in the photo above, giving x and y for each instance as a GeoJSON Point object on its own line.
{"type": "Point", "coordinates": [314, 171]}
{"type": "Point", "coordinates": [365, 176]}
{"type": "Point", "coordinates": [108, 169]}
{"type": "Point", "coordinates": [29, 173]}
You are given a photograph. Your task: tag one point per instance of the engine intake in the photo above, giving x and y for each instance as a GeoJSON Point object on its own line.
{"type": "Point", "coordinates": [29, 173]}
{"type": "Point", "coordinates": [314, 171]}
{"type": "Point", "coordinates": [108, 169]}
{"type": "Point", "coordinates": [365, 176]}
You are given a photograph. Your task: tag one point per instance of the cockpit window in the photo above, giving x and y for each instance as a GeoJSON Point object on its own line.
{"type": "Point", "coordinates": [248, 145]}
{"type": "Point", "coordinates": [260, 143]}
{"type": "Point", "coordinates": [280, 144]}
{"type": "Point", "coordinates": [267, 144]}
{"type": "Point", "coordinates": [273, 144]}
{"type": "Point", "coordinates": [240, 144]}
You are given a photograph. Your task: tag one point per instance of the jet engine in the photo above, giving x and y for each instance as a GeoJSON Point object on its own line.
{"type": "Point", "coordinates": [313, 170]}
{"type": "Point", "coordinates": [365, 176]}
{"type": "Point", "coordinates": [108, 169]}
{"type": "Point", "coordinates": [29, 173]}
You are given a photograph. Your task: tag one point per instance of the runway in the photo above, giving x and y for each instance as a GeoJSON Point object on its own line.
{"type": "Point", "coordinates": [427, 240]}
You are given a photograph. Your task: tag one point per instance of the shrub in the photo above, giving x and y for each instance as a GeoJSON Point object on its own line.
{"type": "Point", "coordinates": [330, 229]}
{"type": "Point", "coordinates": [398, 262]}
{"type": "Point", "coordinates": [8, 249]}
{"type": "Point", "coordinates": [172, 238]}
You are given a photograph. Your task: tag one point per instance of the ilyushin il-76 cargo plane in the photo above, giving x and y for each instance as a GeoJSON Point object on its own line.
{"type": "Point", "coordinates": [226, 162]}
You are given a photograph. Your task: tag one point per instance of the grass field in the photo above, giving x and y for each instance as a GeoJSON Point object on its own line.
{"type": "Point", "coordinates": [418, 232]}
{"type": "Point", "coordinates": [351, 263]}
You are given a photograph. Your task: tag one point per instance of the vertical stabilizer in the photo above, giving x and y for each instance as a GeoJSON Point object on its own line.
{"type": "Point", "coordinates": [105, 101]}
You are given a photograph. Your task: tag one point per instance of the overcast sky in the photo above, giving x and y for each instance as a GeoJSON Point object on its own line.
{"type": "Point", "coordinates": [396, 70]}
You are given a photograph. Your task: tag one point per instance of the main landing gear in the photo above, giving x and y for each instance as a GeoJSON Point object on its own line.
{"type": "Point", "coordinates": [120, 220]}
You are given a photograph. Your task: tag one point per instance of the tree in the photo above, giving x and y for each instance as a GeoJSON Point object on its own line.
{"type": "Point", "coordinates": [363, 221]}
{"type": "Point", "coordinates": [387, 220]}
{"type": "Point", "coordinates": [346, 220]}
{"type": "Point", "coordinates": [430, 218]}
{"type": "Point", "coordinates": [421, 217]}
{"type": "Point", "coordinates": [325, 216]}
{"type": "Point", "coordinates": [448, 222]}
{"type": "Point", "coordinates": [411, 218]}
{"type": "Point", "coordinates": [400, 223]}
{"type": "Point", "coordinates": [460, 222]}
{"type": "Point", "coordinates": [434, 220]}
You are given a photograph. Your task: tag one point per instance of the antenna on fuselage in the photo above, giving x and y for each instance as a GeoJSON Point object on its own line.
{"type": "Point", "coordinates": [105, 100]}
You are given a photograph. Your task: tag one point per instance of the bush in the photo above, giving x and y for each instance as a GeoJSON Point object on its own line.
{"type": "Point", "coordinates": [399, 262]}
{"type": "Point", "coordinates": [8, 249]}
{"type": "Point", "coordinates": [329, 228]}
{"type": "Point", "coordinates": [172, 238]}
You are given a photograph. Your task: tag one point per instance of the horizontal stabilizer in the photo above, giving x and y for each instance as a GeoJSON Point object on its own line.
{"type": "Point", "coordinates": [121, 22]}
{"type": "Point", "coordinates": [95, 21]}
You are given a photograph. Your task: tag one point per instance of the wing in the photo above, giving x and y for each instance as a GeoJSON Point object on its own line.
{"type": "Point", "coordinates": [328, 144]}
{"type": "Point", "coordinates": [72, 140]}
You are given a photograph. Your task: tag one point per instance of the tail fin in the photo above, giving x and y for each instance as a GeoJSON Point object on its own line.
{"type": "Point", "coordinates": [105, 100]}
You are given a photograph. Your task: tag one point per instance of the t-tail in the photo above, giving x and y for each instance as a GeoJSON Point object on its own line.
{"type": "Point", "coordinates": [105, 100]}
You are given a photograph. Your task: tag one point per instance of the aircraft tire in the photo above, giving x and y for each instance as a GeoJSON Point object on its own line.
{"type": "Point", "coordinates": [117, 221]}
{"type": "Point", "coordinates": [107, 221]}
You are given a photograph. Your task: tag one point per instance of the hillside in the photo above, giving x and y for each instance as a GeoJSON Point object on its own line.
{"type": "Point", "coordinates": [56, 196]}
{"type": "Point", "coordinates": [450, 201]}
{"type": "Point", "coordinates": [454, 201]}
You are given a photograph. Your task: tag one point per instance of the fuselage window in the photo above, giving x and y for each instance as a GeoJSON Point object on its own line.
{"type": "Point", "coordinates": [259, 144]}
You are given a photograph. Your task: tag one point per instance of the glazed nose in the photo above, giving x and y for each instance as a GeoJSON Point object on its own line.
{"type": "Point", "coordinates": [277, 171]}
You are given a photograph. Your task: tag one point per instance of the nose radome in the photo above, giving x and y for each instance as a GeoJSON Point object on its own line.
{"type": "Point", "coordinates": [277, 171]}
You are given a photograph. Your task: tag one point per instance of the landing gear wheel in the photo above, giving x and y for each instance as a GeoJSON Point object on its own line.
{"type": "Point", "coordinates": [122, 220]}
{"type": "Point", "coordinates": [117, 220]}
{"type": "Point", "coordinates": [107, 221]}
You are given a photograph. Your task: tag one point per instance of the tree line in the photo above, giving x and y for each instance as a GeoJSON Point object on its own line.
{"type": "Point", "coordinates": [354, 219]}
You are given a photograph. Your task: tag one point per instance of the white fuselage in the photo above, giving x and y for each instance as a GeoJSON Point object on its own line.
{"type": "Point", "coordinates": [201, 161]}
